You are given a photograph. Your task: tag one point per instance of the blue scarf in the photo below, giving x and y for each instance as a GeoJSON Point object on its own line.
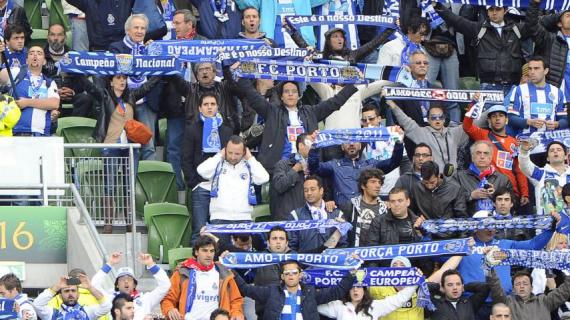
{"type": "Point", "coordinates": [296, 54]}
{"type": "Point", "coordinates": [377, 72]}
{"type": "Point", "coordinates": [429, 12]}
{"type": "Point", "coordinates": [327, 138]}
{"type": "Point", "coordinates": [496, 222]}
{"type": "Point", "coordinates": [543, 138]}
{"type": "Point", "coordinates": [201, 50]}
{"type": "Point", "coordinates": [545, 5]}
{"type": "Point", "coordinates": [408, 49]}
{"type": "Point", "coordinates": [216, 183]}
{"type": "Point", "coordinates": [107, 64]}
{"type": "Point", "coordinates": [455, 247]}
{"type": "Point", "coordinates": [261, 227]}
{"type": "Point", "coordinates": [444, 95]}
{"type": "Point", "coordinates": [246, 260]}
{"type": "Point", "coordinates": [210, 135]}
{"type": "Point", "coordinates": [8, 309]}
{"type": "Point", "coordinates": [191, 291]}
{"type": "Point", "coordinates": [66, 312]}
{"type": "Point", "coordinates": [483, 204]}
{"type": "Point", "coordinates": [556, 259]}
{"type": "Point", "coordinates": [314, 20]}
{"type": "Point", "coordinates": [367, 277]}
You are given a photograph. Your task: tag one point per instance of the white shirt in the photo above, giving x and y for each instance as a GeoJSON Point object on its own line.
{"type": "Point", "coordinates": [207, 298]}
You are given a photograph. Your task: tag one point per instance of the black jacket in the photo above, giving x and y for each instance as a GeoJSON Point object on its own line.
{"type": "Point", "coordinates": [192, 154]}
{"type": "Point", "coordinates": [277, 118]}
{"type": "Point", "coordinates": [384, 230]}
{"type": "Point", "coordinates": [104, 104]}
{"type": "Point", "coordinates": [286, 189]}
{"type": "Point", "coordinates": [466, 308]}
{"type": "Point", "coordinates": [444, 202]}
{"type": "Point", "coordinates": [469, 181]}
{"type": "Point", "coordinates": [499, 57]}
{"type": "Point", "coordinates": [273, 297]}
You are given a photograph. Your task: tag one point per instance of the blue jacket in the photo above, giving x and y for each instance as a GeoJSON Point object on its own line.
{"type": "Point", "coordinates": [269, 16]}
{"type": "Point", "coordinates": [211, 28]}
{"type": "Point", "coordinates": [345, 172]}
{"type": "Point", "coordinates": [311, 240]}
{"type": "Point", "coordinates": [470, 266]}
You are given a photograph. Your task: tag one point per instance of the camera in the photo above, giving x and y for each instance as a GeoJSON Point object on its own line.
{"type": "Point", "coordinates": [73, 281]}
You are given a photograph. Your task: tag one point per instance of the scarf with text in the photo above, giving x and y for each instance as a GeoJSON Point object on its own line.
{"type": "Point", "coordinates": [327, 138]}
{"type": "Point", "coordinates": [262, 227]}
{"type": "Point", "coordinates": [401, 93]}
{"type": "Point", "coordinates": [8, 309]}
{"type": "Point", "coordinates": [210, 134]}
{"type": "Point", "coordinates": [557, 5]}
{"type": "Point", "coordinates": [314, 20]}
{"type": "Point", "coordinates": [539, 140]}
{"type": "Point", "coordinates": [247, 260]}
{"type": "Point", "coordinates": [202, 50]}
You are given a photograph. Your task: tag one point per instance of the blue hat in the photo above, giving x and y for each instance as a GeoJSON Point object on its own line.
{"type": "Point", "coordinates": [497, 108]}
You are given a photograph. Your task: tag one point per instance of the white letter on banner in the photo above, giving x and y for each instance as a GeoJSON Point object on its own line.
{"type": "Point", "coordinates": [334, 72]}
{"type": "Point", "coordinates": [273, 69]}
{"type": "Point", "coordinates": [289, 70]}
{"type": "Point", "coordinates": [261, 67]}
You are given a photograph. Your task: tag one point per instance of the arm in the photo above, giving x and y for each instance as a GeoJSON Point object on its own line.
{"type": "Point", "coordinates": [497, 292]}
{"type": "Point", "coordinates": [325, 108]}
{"type": "Point", "coordinates": [372, 89]}
{"type": "Point", "coordinates": [293, 235]}
{"type": "Point", "coordinates": [207, 168]}
{"type": "Point", "coordinates": [335, 293]}
{"type": "Point", "coordinates": [143, 90]}
{"type": "Point", "coordinates": [162, 287]}
{"type": "Point", "coordinates": [80, 4]}
{"type": "Point", "coordinates": [259, 175]}
{"type": "Point", "coordinates": [460, 206]}
{"type": "Point", "coordinates": [330, 309]}
{"type": "Point", "coordinates": [42, 104]}
{"type": "Point", "coordinates": [324, 169]}
{"type": "Point", "coordinates": [392, 163]}
{"type": "Point", "coordinates": [411, 128]}
{"type": "Point", "coordinates": [184, 87]}
{"type": "Point", "coordinates": [392, 303]}
{"type": "Point", "coordinates": [236, 300]}
{"type": "Point", "coordinates": [522, 182]}
{"type": "Point", "coordinates": [467, 27]}
{"type": "Point", "coordinates": [451, 263]}
{"type": "Point", "coordinates": [284, 177]}
{"type": "Point", "coordinates": [480, 293]}
{"type": "Point", "coordinates": [256, 100]}
{"type": "Point", "coordinates": [321, 89]}
{"type": "Point", "coordinates": [374, 233]}
{"type": "Point", "coordinates": [558, 296]}
{"type": "Point", "coordinates": [515, 119]}
{"type": "Point", "coordinates": [528, 168]}
{"type": "Point", "coordinates": [189, 164]}
{"type": "Point", "coordinates": [242, 4]}
{"type": "Point", "coordinates": [536, 243]}
{"type": "Point", "coordinates": [517, 122]}
{"type": "Point", "coordinates": [41, 304]}
{"type": "Point", "coordinates": [99, 278]}
{"type": "Point", "coordinates": [472, 130]}
{"type": "Point", "coordinates": [101, 309]}
{"type": "Point", "coordinates": [257, 293]}
{"type": "Point", "coordinates": [366, 49]}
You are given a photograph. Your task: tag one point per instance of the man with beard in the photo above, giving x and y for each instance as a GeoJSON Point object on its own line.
{"type": "Point", "coordinates": [70, 309]}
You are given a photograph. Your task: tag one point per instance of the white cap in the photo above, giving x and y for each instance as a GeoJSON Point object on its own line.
{"type": "Point", "coordinates": [125, 271]}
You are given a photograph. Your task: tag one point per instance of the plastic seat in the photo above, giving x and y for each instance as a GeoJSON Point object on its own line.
{"type": "Point", "coordinates": [168, 228]}
{"type": "Point", "coordinates": [155, 183]}
{"type": "Point", "coordinates": [162, 139]}
{"type": "Point", "coordinates": [56, 15]}
{"type": "Point", "coordinates": [77, 130]}
{"type": "Point", "coordinates": [261, 212]}
{"type": "Point", "coordinates": [177, 255]}
{"type": "Point", "coordinates": [34, 13]}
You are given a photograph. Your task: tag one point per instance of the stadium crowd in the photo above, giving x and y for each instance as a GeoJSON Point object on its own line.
{"type": "Point", "coordinates": [445, 161]}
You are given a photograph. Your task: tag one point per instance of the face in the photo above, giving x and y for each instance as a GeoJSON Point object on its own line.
{"type": "Point", "coordinates": [555, 154]}
{"type": "Point", "coordinates": [205, 255]}
{"type": "Point", "coordinates": [181, 27]}
{"type": "Point", "coordinates": [372, 187]}
{"type": "Point", "coordinates": [206, 74]}
{"type": "Point", "coordinates": [56, 37]}
{"type": "Point", "coordinates": [399, 204]}
{"type": "Point", "coordinates": [418, 36]}
{"type": "Point", "coordinates": [398, 264]}
{"type": "Point", "coordinates": [436, 118]}
{"type": "Point", "coordinates": [485, 235]}
{"type": "Point", "coordinates": [278, 242]}
{"type": "Point", "coordinates": [137, 30]}
{"type": "Point", "coordinates": [69, 295]}
{"type": "Point", "coordinates": [127, 312]}
{"type": "Point", "coordinates": [36, 57]}
{"type": "Point", "coordinates": [16, 42]}
{"type": "Point", "coordinates": [431, 183]}
{"type": "Point", "coordinates": [234, 153]}
{"type": "Point", "coordinates": [452, 287]}
{"type": "Point", "coordinates": [496, 14]}
{"type": "Point", "coordinates": [126, 284]}
{"type": "Point", "coordinates": [304, 149]}
{"type": "Point", "coordinates": [419, 65]}
{"type": "Point", "coordinates": [522, 287]}
{"type": "Point", "coordinates": [497, 120]}
{"type": "Point", "coordinates": [564, 23]}
{"type": "Point", "coordinates": [503, 204]}
{"type": "Point", "coordinates": [9, 294]}
{"type": "Point", "coordinates": [482, 156]}
{"type": "Point", "coordinates": [221, 317]}
{"type": "Point", "coordinates": [119, 82]}
{"type": "Point", "coordinates": [356, 294]}
{"type": "Point", "coordinates": [250, 20]}
{"type": "Point", "coordinates": [244, 245]}
{"type": "Point", "coordinates": [351, 150]}
{"type": "Point", "coordinates": [536, 72]}
{"type": "Point", "coordinates": [291, 275]}
{"type": "Point", "coordinates": [561, 244]}
{"type": "Point", "coordinates": [370, 119]}
{"type": "Point", "coordinates": [337, 41]}
{"type": "Point", "coordinates": [209, 107]}
{"type": "Point", "coordinates": [501, 313]}
{"type": "Point", "coordinates": [313, 193]}
{"type": "Point", "coordinates": [290, 95]}
{"type": "Point", "coordinates": [421, 155]}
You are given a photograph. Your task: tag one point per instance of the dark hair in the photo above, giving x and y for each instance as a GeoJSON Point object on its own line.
{"type": "Point", "coordinates": [539, 58]}
{"type": "Point", "coordinates": [428, 170]}
{"type": "Point", "coordinates": [235, 139]}
{"type": "Point", "coordinates": [219, 312]}
{"type": "Point", "coordinates": [203, 241]}
{"type": "Point", "coordinates": [522, 273]}
{"type": "Point", "coordinates": [13, 29]}
{"type": "Point", "coordinates": [504, 190]}
{"type": "Point", "coordinates": [364, 305]}
{"type": "Point", "coordinates": [249, 8]}
{"type": "Point", "coordinates": [301, 139]}
{"type": "Point", "coordinates": [286, 262]}
{"type": "Point", "coordinates": [315, 178]}
{"type": "Point", "coordinates": [371, 107]}
{"type": "Point", "coordinates": [558, 143]}
{"type": "Point", "coordinates": [243, 237]}
{"type": "Point", "coordinates": [277, 228]}
{"type": "Point", "coordinates": [397, 190]}
{"type": "Point", "coordinates": [422, 145]}
{"type": "Point", "coordinates": [119, 301]}
{"type": "Point", "coordinates": [10, 281]}
{"type": "Point", "coordinates": [437, 106]}
{"type": "Point", "coordinates": [206, 95]}
{"type": "Point", "coordinates": [566, 190]}
{"type": "Point", "coordinates": [450, 272]}
{"type": "Point", "coordinates": [282, 84]}
{"type": "Point", "coordinates": [328, 51]}
{"type": "Point", "coordinates": [368, 174]}
{"type": "Point", "coordinates": [415, 24]}
{"type": "Point", "coordinates": [125, 96]}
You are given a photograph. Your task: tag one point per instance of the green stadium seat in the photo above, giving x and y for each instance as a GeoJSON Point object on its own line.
{"type": "Point", "coordinates": [177, 255]}
{"type": "Point", "coordinates": [261, 212]}
{"type": "Point", "coordinates": [56, 15]}
{"type": "Point", "coordinates": [162, 131]}
{"type": "Point", "coordinates": [168, 227]}
{"type": "Point", "coordinates": [155, 183]}
{"type": "Point", "coordinates": [34, 13]}
{"type": "Point", "coordinates": [469, 83]}
{"type": "Point", "coordinates": [77, 130]}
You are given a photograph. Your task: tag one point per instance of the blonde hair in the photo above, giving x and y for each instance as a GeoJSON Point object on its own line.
{"type": "Point", "coordinates": [556, 237]}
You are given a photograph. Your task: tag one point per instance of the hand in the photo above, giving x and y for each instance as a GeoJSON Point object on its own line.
{"type": "Point", "coordinates": [173, 314]}
{"type": "Point", "coordinates": [479, 193]}
{"type": "Point", "coordinates": [476, 96]}
{"type": "Point", "coordinates": [62, 283]}
{"type": "Point", "coordinates": [490, 190]}
{"type": "Point", "coordinates": [536, 123]}
{"type": "Point", "coordinates": [65, 92]}
{"type": "Point", "coordinates": [400, 132]}
{"type": "Point", "coordinates": [419, 221]}
{"type": "Point", "coordinates": [146, 259]}
{"type": "Point", "coordinates": [223, 153]}
{"type": "Point", "coordinates": [54, 115]}
{"type": "Point", "coordinates": [237, 318]}
{"type": "Point", "coordinates": [115, 258]}
{"type": "Point", "coordinates": [556, 217]}
{"type": "Point", "coordinates": [204, 233]}
{"type": "Point", "coordinates": [339, 219]}
{"type": "Point", "coordinates": [524, 201]}
{"type": "Point", "coordinates": [224, 254]}
{"type": "Point", "coordinates": [85, 282]}
{"type": "Point", "coordinates": [247, 154]}
{"type": "Point", "coordinates": [235, 65]}
{"type": "Point", "coordinates": [551, 125]}
{"type": "Point", "coordinates": [330, 206]}
{"type": "Point", "coordinates": [148, 42]}
{"type": "Point", "coordinates": [525, 145]}
{"type": "Point", "coordinates": [298, 167]}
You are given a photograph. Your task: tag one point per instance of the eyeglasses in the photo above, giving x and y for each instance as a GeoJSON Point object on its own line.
{"type": "Point", "coordinates": [368, 119]}
{"type": "Point", "coordinates": [290, 272]}
{"type": "Point", "coordinates": [290, 91]}
{"type": "Point", "coordinates": [436, 117]}
{"type": "Point", "coordinates": [422, 155]}
{"type": "Point", "coordinates": [421, 62]}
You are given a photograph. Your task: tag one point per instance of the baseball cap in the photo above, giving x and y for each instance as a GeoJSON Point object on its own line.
{"type": "Point", "coordinates": [125, 271]}
{"type": "Point", "coordinates": [497, 108]}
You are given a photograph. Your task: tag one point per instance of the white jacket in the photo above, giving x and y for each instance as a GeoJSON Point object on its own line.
{"type": "Point", "coordinates": [25, 306]}
{"type": "Point", "coordinates": [348, 116]}
{"type": "Point", "coordinates": [145, 303]}
{"type": "Point", "coordinates": [46, 312]}
{"type": "Point", "coordinates": [379, 308]}
{"type": "Point", "coordinates": [233, 187]}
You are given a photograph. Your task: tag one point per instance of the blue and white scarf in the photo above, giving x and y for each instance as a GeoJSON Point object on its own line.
{"type": "Point", "coordinates": [293, 54]}
{"type": "Point", "coordinates": [261, 227]}
{"type": "Point", "coordinates": [201, 50]}
{"type": "Point", "coordinates": [483, 204]}
{"type": "Point", "coordinates": [191, 290]}
{"type": "Point", "coordinates": [541, 139]}
{"type": "Point", "coordinates": [409, 47]}
{"type": "Point", "coordinates": [327, 138]}
{"type": "Point", "coordinates": [555, 259]}
{"type": "Point", "coordinates": [107, 64]}
{"type": "Point", "coordinates": [496, 222]}
{"type": "Point", "coordinates": [367, 277]}
{"type": "Point", "coordinates": [432, 94]}
{"type": "Point", "coordinates": [216, 182]}
{"type": "Point", "coordinates": [4, 20]}
{"type": "Point", "coordinates": [8, 309]}
{"type": "Point", "coordinates": [455, 247]}
{"type": "Point", "coordinates": [429, 12]}
{"type": "Point", "coordinates": [66, 312]}
{"type": "Point", "coordinates": [392, 7]}
{"type": "Point", "coordinates": [558, 5]}
{"type": "Point", "coordinates": [314, 20]}
{"type": "Point", "coordinates": [247, 260]}
{"type": "Point", "coordinates": [210, 134]}
{"type": "Point", "coordinates": [377, 72]}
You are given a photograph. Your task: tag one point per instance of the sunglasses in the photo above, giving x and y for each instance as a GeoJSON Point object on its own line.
{"type": "Point", "coordinates": [437, 117]}
{"type": "Point", "coordinates": [290, 272]}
